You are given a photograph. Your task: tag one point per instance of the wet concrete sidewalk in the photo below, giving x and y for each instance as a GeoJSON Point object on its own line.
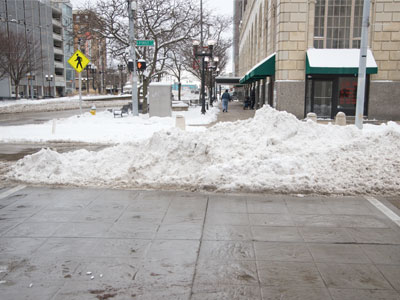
{"type": "Point", "coordinates": [235, 112]}
{"type": "Point", "coordinates": [113, 244]}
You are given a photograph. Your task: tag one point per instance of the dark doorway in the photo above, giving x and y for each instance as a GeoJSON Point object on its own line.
{"type": "Point", "coordinates": [326, 95]}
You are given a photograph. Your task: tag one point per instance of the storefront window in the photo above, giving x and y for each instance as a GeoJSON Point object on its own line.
{"type": "Point", "coordinates": [347, 93]}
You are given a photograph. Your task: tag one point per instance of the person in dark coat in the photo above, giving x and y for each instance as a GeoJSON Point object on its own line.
{"type": "Point", "coordinates": [226, 97]}
{"type": "Point", "coordinates": [252, 98]}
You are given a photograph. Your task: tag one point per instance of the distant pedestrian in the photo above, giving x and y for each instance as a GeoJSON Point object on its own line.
{"type": "Point", "coordinates": [226, 97]}
{"type": "Point", "coordinates": [252, 98]}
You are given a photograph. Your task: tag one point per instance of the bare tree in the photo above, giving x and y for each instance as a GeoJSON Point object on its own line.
{"type": "Point", "coordinates": [15, 57]}
{"type": "Point", "coordinates": [215, 28]}
{"type": "Point", "coordinates": [175, 65]}
{"type": "Point", "coordinates": [167, 22]}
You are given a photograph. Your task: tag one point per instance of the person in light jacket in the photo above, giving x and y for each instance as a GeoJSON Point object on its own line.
{"type": "Point", "coordinates": [226, 97]}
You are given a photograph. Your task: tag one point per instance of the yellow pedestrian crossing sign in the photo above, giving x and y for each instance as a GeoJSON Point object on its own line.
{"type": "Point", "coordinates": [78, 61]}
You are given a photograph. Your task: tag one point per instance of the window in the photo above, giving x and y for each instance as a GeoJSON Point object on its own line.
{"type": "Point", "coordinates": [337, 23]}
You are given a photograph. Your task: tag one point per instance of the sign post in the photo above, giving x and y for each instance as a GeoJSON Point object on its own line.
{"type": "Point", "coordinates": [79, 61]}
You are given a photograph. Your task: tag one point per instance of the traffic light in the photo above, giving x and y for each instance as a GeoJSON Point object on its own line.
{"type": "Point", "coordinates": [141, 65]}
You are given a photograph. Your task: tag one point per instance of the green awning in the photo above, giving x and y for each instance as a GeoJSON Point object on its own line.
{"type": "Point", "coordinates": [337, 61]}
{"type": "Point", "coordinates": [264, 68]}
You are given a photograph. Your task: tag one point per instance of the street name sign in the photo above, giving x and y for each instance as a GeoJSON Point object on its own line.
{"type": "Point", "coordinates": [78, 61]}
{"type": "Point", "coordinates": [146, 43]}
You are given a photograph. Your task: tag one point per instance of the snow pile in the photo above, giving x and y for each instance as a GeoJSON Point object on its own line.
{"type": "Point", "coordinates": [273, 152]}
{"type": "Point", "coordinates": [103, 127]}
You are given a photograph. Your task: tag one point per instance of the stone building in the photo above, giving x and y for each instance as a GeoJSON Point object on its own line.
{"type": "Point", "coordinates": [302, 55]}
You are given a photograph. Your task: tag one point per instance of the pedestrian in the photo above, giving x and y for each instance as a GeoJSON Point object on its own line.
{"type": "Point", "coordinates": [247, 103]}
{"type": "Point", "coordinates": [253, 98]}
{"type": "Point", "coordinates": [226, 97]}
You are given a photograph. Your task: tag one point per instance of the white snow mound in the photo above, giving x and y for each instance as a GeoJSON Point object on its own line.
{"type": "Point", "coordinates": [272, 152]}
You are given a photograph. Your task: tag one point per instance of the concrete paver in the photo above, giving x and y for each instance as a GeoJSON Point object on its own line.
{"type": "Point", "coordinates": [179, 245]}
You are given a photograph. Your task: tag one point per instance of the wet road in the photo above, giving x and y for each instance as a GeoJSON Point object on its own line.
{"type": "Point", "coordinates": [61, 243]}
{"type": "Point", "coordinates": [13, 152]}
{"type": "Point", "coordinates": [13, 119]}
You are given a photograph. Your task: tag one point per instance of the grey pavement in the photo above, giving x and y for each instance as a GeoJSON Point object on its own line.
{"type": "Point", "coordinates": [235, 113]}
{"type": "Point", "coordinates": [65, 243]}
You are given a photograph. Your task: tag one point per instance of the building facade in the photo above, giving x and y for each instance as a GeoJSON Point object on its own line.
{"type": "Point", "coordinates": [302, 55]}
{"type": "Point", "coordinates": [42, 24]}
{"type": "Point", "coordinates": [87, 29]}
{"type": "Point", "coordinates": [66, 20]}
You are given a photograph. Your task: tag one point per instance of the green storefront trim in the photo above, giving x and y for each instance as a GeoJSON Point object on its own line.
{"type": "Point", "coordinates": [336, 71]}
{"type": "Point", "coordinates": [260, 71]}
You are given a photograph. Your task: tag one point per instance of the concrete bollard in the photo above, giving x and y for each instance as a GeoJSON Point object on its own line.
{"type": "Point", "coordinates": [53, 128]}
{"type": "Point", "coordinates": [180, 122]}
{"type": "Point", "coordinates": [340, 119]}
{"type": "Point", "coordinates": [312, 116]}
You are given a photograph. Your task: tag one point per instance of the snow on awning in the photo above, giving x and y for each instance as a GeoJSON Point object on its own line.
{"type": "Point", "coordinates": [337, 61]}
{"type": "Point", "coordinates": [264, 68]}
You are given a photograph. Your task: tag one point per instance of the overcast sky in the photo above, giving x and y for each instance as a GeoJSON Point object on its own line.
{"type": "Point", "coordinates": [222, 6]}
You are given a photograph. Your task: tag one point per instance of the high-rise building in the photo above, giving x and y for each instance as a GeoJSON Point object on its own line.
{"type": "Point", "coordinates": [302, 56]}
{"type": "Point", "coordinates": [42, 23]}
{"type": "Point", "coordinates": [65, 8]}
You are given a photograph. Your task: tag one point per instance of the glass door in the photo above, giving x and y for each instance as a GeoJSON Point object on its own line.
{"type": "Point", "coordinates": [322, 98]}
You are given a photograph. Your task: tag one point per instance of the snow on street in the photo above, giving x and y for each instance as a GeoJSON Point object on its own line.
{"type": "Point", "coordinates": [103, 127]}
{"type": "Point", "coordinates": [273, 152]}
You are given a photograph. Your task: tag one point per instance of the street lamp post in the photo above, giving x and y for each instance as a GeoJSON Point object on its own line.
{"type": "Point", "coordinates": [93, 71]}
{"type": "Point", "coordinates": [215, 83]}
{"type": "Point", "coordinates": [49, 78]}
{"type": "Point", "coordinates": [121, 68]}
{"type": "Point", "coordinates": [212, 65]}
{"type": "Point", "coordinates": [88, 67]}
{"type": "Point", "coordinates": [203, 53]}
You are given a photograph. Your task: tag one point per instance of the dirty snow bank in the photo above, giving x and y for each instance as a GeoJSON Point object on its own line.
{"type": "Point", "coordinates": [272, 152]}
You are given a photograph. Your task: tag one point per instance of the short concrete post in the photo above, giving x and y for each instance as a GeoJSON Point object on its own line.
{"type": "Point", "coordinates": [53, 128]}
{"type": "Point", "coordinates": [340, 119]}
{"type": "Point", "coordinates": [312, 116]}
{"type": "Point", "coordinates": [180, 122]}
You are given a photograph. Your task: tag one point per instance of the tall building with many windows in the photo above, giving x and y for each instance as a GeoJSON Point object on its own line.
{"type": "Point", "coordinates": [302, 55]}
{"type": "Point", "coordinates": [42, 23]}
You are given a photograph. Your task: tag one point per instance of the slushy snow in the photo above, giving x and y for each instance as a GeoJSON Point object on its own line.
{"type": "Point", "coordinates": [272, 152]}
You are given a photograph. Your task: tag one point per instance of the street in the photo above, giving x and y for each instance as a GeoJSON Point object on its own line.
{"type": "Point", "coordinates": [67, 243]}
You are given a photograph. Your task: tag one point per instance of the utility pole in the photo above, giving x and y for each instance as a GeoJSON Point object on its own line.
{"type": "Point", "coordinates": [362, 66]}
{"type": "Point", "coordinates": [203, 100]}
{"type": "Point", "coordinates": [132, 6]}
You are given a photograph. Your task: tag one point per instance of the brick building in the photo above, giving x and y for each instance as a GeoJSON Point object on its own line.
{"type": "Point", "coordinates": [302, 55]}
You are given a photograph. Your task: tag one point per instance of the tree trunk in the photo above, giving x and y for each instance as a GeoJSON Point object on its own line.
{"type": "Point", "coordinates": [145, 88]}
{"type": "Point", "coordinates": [179, 90]}
{"type": "Point", "coordinates": [16, 92]}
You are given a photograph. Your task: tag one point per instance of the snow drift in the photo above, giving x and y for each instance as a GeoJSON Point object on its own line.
{"type": "Point", "coordinates": [273, 152]}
